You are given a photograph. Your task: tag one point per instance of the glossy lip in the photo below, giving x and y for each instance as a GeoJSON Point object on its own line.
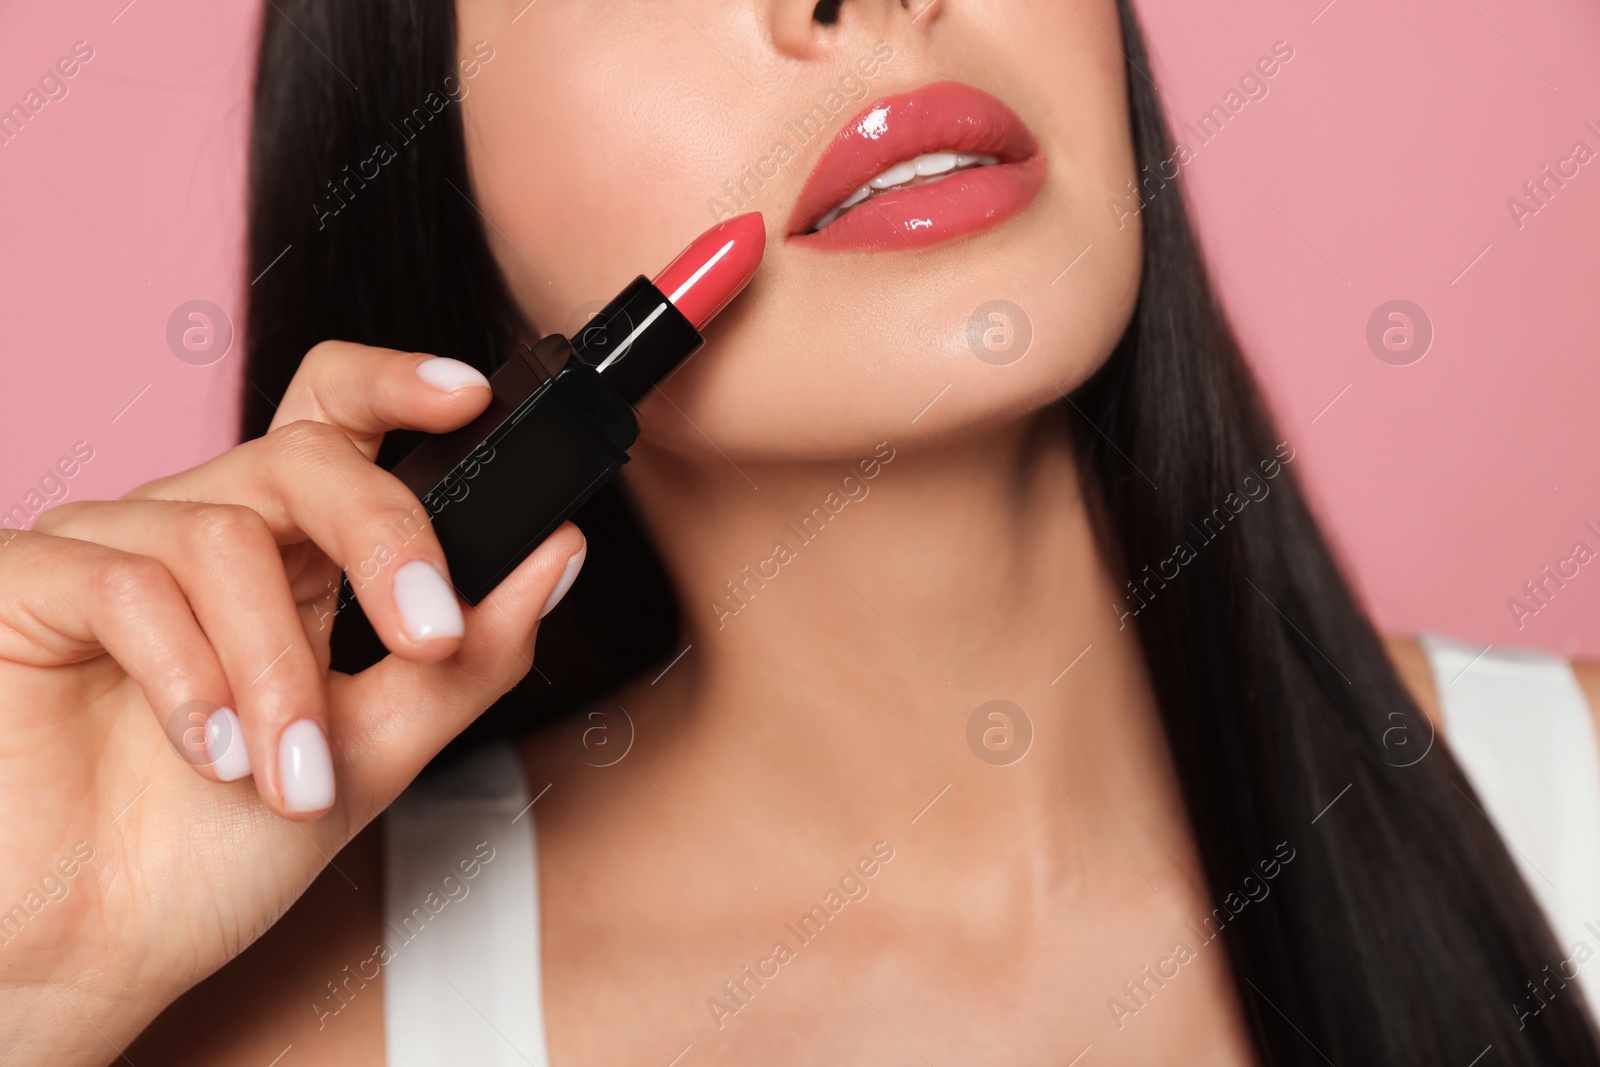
{"type": "Point", "coordinates": [944, 116]}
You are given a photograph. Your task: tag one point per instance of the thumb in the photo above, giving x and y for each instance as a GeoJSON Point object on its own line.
{"type": "Point", "coordinates": [392, 718]}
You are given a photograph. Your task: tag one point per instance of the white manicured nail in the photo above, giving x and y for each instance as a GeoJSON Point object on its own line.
{"type": "Point", "coordinates": [225, 745]}
{"type": "Point", "coordinates": [568, 576]}
{"type": "Point", "coordinates": [427, 604]}
{"type": "Point", "coordinates": [450, 374]}
{"type": "Point", "coordinates": [306, 767]}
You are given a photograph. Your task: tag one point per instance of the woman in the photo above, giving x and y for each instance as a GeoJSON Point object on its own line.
{"type": "Point", "coordinates": [798, 828]}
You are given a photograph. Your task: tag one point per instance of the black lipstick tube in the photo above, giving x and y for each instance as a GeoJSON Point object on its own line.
{"type": "Point", "coordinates": [559, 424]}
{"type": "Point", "coordinates": [559, 427]}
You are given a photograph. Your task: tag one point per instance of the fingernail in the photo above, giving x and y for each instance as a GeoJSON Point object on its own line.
{"type": "Point", "coordinates": [568, 576]}
{"type": "Point", "coordinates": [450, 374]}
{"type": "Point", "coordinates": [427, 604]}
{"type": "Point", "coordinates": [225, 748]}
{"type": "Point", "coordinates": [306, 767]}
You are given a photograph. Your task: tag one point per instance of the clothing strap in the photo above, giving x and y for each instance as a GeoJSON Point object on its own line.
{"type": "Point", "coordinates": [461, 916]}
{"type": "Point", "coordinates": [1520, 727]}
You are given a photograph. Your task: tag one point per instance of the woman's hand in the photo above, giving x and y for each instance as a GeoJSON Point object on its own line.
{"type": "Point", "coordinates": [177, 762]}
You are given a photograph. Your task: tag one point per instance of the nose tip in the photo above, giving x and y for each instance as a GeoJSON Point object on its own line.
{"type": "Point", "coordinates": [812, 29]}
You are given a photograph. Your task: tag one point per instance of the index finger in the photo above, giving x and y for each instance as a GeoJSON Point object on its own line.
{"type": "Point", "coordinates": [367, 391]}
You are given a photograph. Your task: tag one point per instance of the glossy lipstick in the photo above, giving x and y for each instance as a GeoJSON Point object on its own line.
{"type": "Point", "coordinates": [561, 420]}
{"type": "Point", "coordinates": [979, 165]}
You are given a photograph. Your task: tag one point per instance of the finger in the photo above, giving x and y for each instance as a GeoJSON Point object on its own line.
{"type": "Point", "coordinates": [397, 715]}
{"type": "Point", "coordinates": [227, 564]}
{"type": "Point", "coordinates": [67, 601]}
{"type": "Point", "coordinates": [309, 481]}
{"type": "Point", "coordinates": [367, 391]}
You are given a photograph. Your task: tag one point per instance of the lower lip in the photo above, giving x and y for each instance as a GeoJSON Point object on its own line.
{"type": "Point", "coordinates": [968, 201]}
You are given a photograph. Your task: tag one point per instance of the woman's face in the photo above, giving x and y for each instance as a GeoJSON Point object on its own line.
{"type": "Point", "coordinates": [604, 135]}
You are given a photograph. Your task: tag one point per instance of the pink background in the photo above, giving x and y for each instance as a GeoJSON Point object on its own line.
{"type": "Point", "coordinates": [1378, 167]}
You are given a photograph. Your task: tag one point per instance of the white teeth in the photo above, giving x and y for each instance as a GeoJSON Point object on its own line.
{"type": "Point", "coordinates": [928, 165]}
{"type": "Point", "coordinates": [895, 175]}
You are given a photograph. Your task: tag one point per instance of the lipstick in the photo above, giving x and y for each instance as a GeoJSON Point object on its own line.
{"type": "Point", "coordinates": [562, 420]}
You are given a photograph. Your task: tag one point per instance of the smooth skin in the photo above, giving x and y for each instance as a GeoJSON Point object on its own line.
{"type": "Point", "coordinates": [826, 715]}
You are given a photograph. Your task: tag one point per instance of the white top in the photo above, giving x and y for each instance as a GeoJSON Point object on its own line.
{"type": "Point", "coordinates": [461, 984]}
{"type": "Point", "coordinates": [1519, 725]}
{"type": "Point", "coordinates": [462, 979]}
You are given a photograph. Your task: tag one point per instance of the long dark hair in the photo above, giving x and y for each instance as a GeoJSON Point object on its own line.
{"type": "Point", "coordinates": [1401, 932]}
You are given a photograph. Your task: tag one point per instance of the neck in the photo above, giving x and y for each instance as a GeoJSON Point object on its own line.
{"type": "Point", "coordinates": [846, 619]}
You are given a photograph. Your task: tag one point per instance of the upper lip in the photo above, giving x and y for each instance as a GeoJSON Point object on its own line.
{"type": "Point", "coordinates": [947, 115]}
